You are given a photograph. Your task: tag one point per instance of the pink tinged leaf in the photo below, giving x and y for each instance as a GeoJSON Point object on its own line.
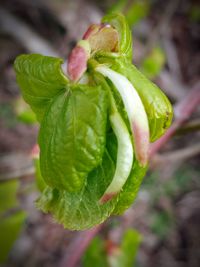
{"type": "Point", "coordinates": [94, 28]}
{"type": "Point", "coordinates": [141, 142]}
{"type": "Point", "coordinates": [135, 111]}
{"type": "Point", "coordinates": [124, 155]}
{"type": "Point", "coordinates": [107, 197]}
{"type": "Point", "coordinates": [77, 63]}
{"type": "Point", "coordinates": [102, 37]}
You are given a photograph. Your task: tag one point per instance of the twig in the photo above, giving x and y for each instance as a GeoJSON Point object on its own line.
{"type": "Point", "coordinates": [161, 26]}
{"type": "Point", "coordinates": [172, 85]}
{"type": "Point", "coordinates": [25, 35]}
{"type": "Point", "coordinates": [191, 126]}
{"type": "Point", "coordinates": [78, 247]}
{"type": "Point", "coordinates": [179, 155]}
{"type": "Point", "coordinates": [15, 165]}
{"type": "Point", "coordinates": [182, 112]}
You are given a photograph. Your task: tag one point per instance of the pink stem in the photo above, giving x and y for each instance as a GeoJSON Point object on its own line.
{"type": "Point", "coordinates": [78, 246]}
{"type": "Point", "coordinates": [182, 111]}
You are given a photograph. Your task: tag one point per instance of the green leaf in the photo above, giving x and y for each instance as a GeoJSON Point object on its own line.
{"type": "Point", "coordinates": [156, 103]}
{"type": "Point", "coordinates": [153, 63]}
{"type": "Point", "coordinates": [129, 248]}
{"type": "Point", "coordinates": [40, 79]}
{"type": "Point", "coordinates": [132, 185]}
{"type": "Point", "coordinates": [118, 21]}
{"type": "Point", "coordinates": [131, 188]}
{"type": "Point", "coordinates": [8, 191]}
{"type": "Point", "coordinates": [81, 210]}
{"type": "Point", "coordinates": [24, 112]}
{"type": "Point", "coordinates": [72, 137]}
{"type": "Point", "coordinates": [95, 254]}
{"type": "Point", "coordinates": [137, 11]}
{"type": "Point", "coordinates": [10, 228]}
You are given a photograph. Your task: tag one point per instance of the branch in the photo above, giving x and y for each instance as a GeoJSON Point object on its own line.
{"type": "Point", "coordinates": [179, 154]}
{"type": "Point", "coordinates": [24, 34]}
{"type": "Point", "coordinates": [182, 112]}
{"type": "Point", "coordinates": [191, 126]}
{"type": "Point", "coordinates": [78, 246]}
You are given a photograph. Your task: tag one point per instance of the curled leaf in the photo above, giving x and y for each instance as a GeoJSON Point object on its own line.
{"type": "Point", "coordinates": [77, 61]}
{"type": "Point", "coordinates": [135, 111]}
{"type": "Point", "coordinates": [119, 22]}
{"type": "Point", "coordinates": [124, 155]}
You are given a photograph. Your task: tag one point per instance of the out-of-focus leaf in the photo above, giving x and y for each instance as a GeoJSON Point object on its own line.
{"type": "Point", "coordinates": [9, 231]}
{"type": "Point", "coordinates": [9, 226]}
{"type": "Point", "coordinates": [137, 11]}
{"type": "Point", "coordinates": [118, 6]}
{"type": "Point", "coordinates": [24, 112]}
{"type": "Point", "coordinates": [153, 64]}
{"type": "Point", "coordinates": [95, 254]}
{"type": "Point", "coordinates": [194, 12]}
{"type": "Point", "coordinates": [8, 192]}
{"type": "Point", "coordinates": [133, 10]}
{"type": "Point", "coordinates": [128, 250]}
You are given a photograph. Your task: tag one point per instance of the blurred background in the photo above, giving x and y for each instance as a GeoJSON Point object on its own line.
{"type": "Point", "coordinates": [162, 228]}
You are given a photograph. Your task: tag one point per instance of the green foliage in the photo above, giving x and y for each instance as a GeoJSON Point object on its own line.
{"type": "Point", "coordinates": [78, 144]}
{"type": "Point", "coordinates": [128, 249]}
{"type": "Point", "coordinates": [10, 228]}
{"type": "Point", "coordinates": [10, 225]}
{"type": "Point", "coordinates": [134, 11]}
{"type": "Point", "coordinates": [157, 105]}
{"type": "Point", "coordinates": [8, 191]}
{"type": "Point", "coordinates": [137, 11]}
{"type": "Point", "coordinates": [81, 210]}
{"type": "Point", "coordinates": [24, 112]}
{"type": "Point", "coordinates": [40, 79]}
{"type": "Point", "coordinates": [153, 64]}
{"type": "Point", "coordinates": [118, 6]}
{"type": "Point", "coordinates": [75, 122]}
{"type": "Point", "coordinates": [122, 255]}
{"type": "Point", "coordinates": [194, 12]}
{"type": "Point", "coordinates": [125, 37]}
{"type": "Point", "coordinates": [95, 255]}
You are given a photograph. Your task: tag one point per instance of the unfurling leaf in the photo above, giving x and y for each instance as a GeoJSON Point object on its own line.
{"type": "Point", "coordinates": [95, 127]}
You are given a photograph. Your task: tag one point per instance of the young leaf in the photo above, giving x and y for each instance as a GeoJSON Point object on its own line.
{"type": "Point", "coordinates": [119, 22]}
{"type": "Point", "coordinates": [40, 79]}
{"type": "Point", "coordinates": [84, 146]}
{"type": "Point", "coordinates": [72, 137]}
{"type": "Point", "coordinates": [135, 111]}
{"type": "Point", "coordinates": [124, 154]}
{"type": "Point", "coordinates": [130, 189]}
{"type": "Point", "coordinates": [157, 106]}
{"type": "Point", "coordinates": [82, 210]}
